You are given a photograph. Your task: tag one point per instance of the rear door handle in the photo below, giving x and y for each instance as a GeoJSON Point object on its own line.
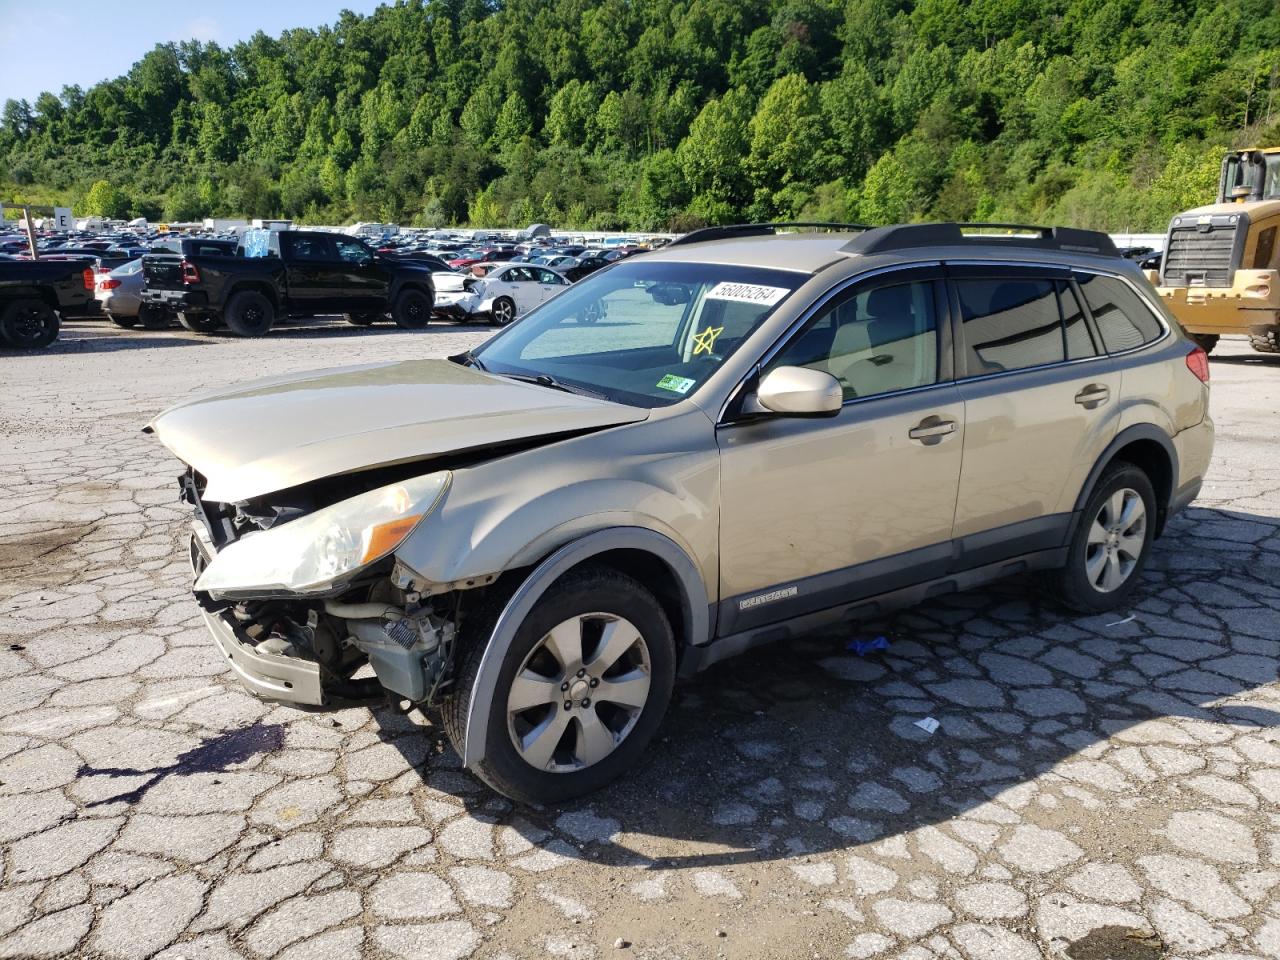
{"type": "Point", "coordinates": [932, 430]}
{"type": "Point", "coordinates": [1094, 395]}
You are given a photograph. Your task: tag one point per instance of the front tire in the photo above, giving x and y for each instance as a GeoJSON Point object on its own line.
{"type": "Point", "coordinates": [249, 314]}
{"type": "Point", "coordinates": [29, 324]}
{"type": "Point", "coordinates": [198, 322]}
{"type": "Point", "coordinates": [1111, 543]}
{"type": "Point", "coordinates": [596, 640]}
{"type": "Point", "coordinates": [504, 311]}
{"type": "Point", "coordinates": [412, 310]}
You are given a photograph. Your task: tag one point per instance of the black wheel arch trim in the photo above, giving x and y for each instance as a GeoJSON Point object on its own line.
{"type": "Point", "coordinates": [1138, 432]}
{"type": "Point", "coordinates": [253, 286]}
{"type": "Point", "coordinates": [696, 611]}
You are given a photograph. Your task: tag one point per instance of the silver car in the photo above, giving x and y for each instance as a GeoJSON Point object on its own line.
{"type": "Point", "coordinates": [120, 294]}
{"type": "Point", "coordinates": [772, 432]}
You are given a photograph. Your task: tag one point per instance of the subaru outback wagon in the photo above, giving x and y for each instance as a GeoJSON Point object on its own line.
{"type": "Point", "coordinates": [745, 435]}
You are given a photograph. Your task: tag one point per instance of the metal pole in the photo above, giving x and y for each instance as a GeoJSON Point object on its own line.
{"type": "Point", "coordinates": [31, 233]}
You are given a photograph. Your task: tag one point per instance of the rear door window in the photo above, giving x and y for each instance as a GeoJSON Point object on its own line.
{"type": "Point", "coordinates": [1122, 319]}
{"type": "Point", "coordinates": [1009, 323]}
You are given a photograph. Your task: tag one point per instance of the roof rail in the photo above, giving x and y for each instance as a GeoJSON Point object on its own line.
{"type": "Point", "coordinates": [907, 236]}
{"type": "Point", "coordinates": [732, 230]}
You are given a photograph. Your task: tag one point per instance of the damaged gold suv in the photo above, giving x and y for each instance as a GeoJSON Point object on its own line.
{"type": "Point", "coordinates": [742, 436]}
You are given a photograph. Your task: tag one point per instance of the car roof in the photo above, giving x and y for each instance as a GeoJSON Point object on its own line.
{"type": "Point", "coordinates": [802, 252]}
{"type": "Point", "coordinates": [809, 252]}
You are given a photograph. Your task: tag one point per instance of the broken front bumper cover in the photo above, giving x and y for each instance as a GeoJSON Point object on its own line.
{"type": "Point", "coordinates": [267, 676]}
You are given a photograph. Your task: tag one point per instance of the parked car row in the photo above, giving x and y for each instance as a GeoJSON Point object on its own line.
{"type": "Point", "coordinates": [139, 278]}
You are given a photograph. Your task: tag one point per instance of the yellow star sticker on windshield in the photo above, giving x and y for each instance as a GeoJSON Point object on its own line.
{"type": "Point", "coordinates": [706, 340]}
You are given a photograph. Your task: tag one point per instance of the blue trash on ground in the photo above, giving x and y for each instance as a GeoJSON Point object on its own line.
{"type": "Point", "coordinates": [864, 647]}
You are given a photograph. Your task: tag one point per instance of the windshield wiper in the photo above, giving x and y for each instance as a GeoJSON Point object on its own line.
{"type": "Point", "coordinates": [470, 360]}
{"type": "Point", "coordinates": [544, 380]}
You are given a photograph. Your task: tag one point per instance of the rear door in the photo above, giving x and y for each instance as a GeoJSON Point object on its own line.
{"type": "Point", "coordinates": [549, 283]}
{"type": "Point", "coordinates": [314, 277]}
{"type": "Point", "coordinates": [1041, 404]}
{"type": "Point", "coordinates": [521, 285]}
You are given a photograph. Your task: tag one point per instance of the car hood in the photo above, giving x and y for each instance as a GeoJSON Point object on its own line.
{"type": "Point", "coordinates": [277, 433]}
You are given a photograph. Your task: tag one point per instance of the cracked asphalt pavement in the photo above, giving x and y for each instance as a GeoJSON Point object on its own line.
{"type": "Point", "coordinates": [1097, 787]}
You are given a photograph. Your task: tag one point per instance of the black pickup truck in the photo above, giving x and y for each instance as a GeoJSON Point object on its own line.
{"type": "Point", "coordinates": [35, 293]}
{"type": "Point", "coordinates": [304, 273]}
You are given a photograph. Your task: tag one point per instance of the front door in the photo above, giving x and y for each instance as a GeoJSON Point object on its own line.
{"type": "Point", "coordinates": [366, 282]}
{"type": "Point", "coordinates": [820, 512]}
{"type": "Point", "coordinates": [1040, 408]}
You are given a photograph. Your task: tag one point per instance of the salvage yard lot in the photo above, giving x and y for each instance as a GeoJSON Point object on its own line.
{"type": "Point", "coordinates": [1100, 780]}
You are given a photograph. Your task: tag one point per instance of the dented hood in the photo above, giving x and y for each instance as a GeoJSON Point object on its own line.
{"type": "Point", "coordinates": [272, 434]}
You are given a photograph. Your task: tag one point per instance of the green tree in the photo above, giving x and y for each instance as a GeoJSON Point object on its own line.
{"type": "Point", "coordinates": [104, 200]}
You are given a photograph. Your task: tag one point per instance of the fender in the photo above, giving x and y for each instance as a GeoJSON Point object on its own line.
{"type": "Point", "coordinates": [697, 612]}
{"type": "Point", "coordinates": [413, 281]}
{"type": "Point", "coordinates": [1139, 431]}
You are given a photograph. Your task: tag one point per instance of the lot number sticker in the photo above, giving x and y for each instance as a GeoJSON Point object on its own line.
{"type": "Point", "coordinates": [676, 384]}
{"type": "Point", "coordinates": [747, 293]}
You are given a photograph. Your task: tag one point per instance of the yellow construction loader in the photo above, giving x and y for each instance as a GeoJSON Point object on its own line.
{"type": "Point", "coordinates": [1221, 267]}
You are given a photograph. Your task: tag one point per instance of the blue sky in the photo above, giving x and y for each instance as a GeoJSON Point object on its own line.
{"type": "Point", "coordinates": [45, 44]}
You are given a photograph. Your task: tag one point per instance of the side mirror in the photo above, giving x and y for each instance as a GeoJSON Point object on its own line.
{"type": "Point", "coordinates": [799, 391]}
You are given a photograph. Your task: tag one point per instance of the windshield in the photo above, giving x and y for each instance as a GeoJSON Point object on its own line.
{"type": "Point", "coordinates": [1242, 178]}
{"type": "Point", "coordinates": [642, 333]}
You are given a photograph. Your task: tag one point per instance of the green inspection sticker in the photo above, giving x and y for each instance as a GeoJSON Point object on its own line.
{"type": "Point", "coordinates": [675, 384]}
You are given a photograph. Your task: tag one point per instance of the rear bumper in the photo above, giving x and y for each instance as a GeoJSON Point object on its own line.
{"type": "Point", "coordinates": [1252, 301]}
{"type": "Point", "coordinates": [1194, 447]}
{"type": "Point", "coordinates": [197, 300]}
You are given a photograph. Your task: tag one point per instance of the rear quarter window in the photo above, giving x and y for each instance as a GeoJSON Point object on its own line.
{"type": "Point", "coordinates": [1123, 320]}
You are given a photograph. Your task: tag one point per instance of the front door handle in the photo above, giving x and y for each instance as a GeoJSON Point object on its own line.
{"type": "Point", "coordinates": [1094, 395]}
{"type": "Point", "coordinates": [932, 430]}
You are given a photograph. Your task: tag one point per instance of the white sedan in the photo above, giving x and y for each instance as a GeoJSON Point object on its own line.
{"type": "Point", "coordinates": [504, 292]}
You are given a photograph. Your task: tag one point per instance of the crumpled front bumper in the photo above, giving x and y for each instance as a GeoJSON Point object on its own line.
{"type": "Point", "coordinates": [267, 676]}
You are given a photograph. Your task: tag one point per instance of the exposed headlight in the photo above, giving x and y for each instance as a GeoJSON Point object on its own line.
{"type": "Point", "coordinates": [310, 554]}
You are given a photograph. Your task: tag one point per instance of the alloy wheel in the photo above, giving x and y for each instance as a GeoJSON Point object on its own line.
{"type": "Point", "coordinates": [1117, 538]}
{"type": "Point", "coordinates": [579, 692]}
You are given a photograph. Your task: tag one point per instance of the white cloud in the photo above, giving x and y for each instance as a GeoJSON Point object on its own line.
{"type": "Point", "coordinates": [204, 29]}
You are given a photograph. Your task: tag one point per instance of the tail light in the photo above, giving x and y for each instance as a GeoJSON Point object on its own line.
{"type": "Point", "coordinates": [89, 277]}
{"type": "Point", "coordinates": [108, 283]}
{"type": "Point", "coordinates": [189, 272]}
{"type": "Point", "coordinates": [1198, 363]}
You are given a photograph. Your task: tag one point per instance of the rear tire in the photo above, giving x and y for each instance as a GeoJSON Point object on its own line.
{"type": "Point", "coordinates": [411, 310]}
{"type": "Point", "coordinates": [122, 321]}
{"type": "Point", "coordinates": [151, 317]}
{"type": "Point", "coordinates": [249, 314]}
{"type": "Point", "coordinates": [198, 322]}
{"type": "Point", "coordinates": [1265, 339]}
{"type": "Point", "coordinates": [588, 595]}
{"type": "Point", "coordinates": [1111, 543]}
{"type": "Point", "coordinates": [29, 324]}
{"type": "Point", "coordinates": [1206, 341]}
{"type": "Point", "coordinates": [504, 311]}
{"type": "Point", "coordinates": [362, 319]}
